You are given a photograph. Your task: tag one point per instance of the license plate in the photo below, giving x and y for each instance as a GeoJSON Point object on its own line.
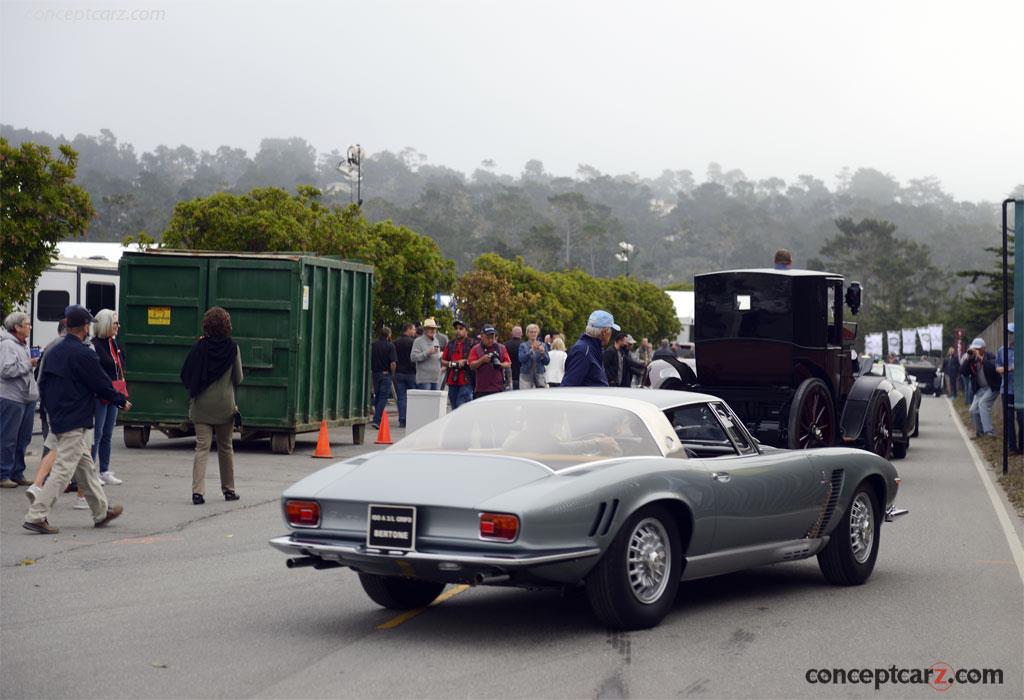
{"type": "Point", "coordinates": [391, 527]}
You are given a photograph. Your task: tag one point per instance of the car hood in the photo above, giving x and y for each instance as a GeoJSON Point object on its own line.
{"type": "Point", "coordinates": [431, 478]}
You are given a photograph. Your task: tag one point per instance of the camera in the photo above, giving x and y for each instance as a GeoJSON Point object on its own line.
{"type": "Point", "coordinates": [495, 359]}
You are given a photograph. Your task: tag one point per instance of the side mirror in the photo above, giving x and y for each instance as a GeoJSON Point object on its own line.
{"type": "Point", "coordinates": [853, 297]}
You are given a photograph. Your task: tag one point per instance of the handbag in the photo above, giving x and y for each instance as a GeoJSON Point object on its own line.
{"type": "Point", "coordinates": [119, 384]}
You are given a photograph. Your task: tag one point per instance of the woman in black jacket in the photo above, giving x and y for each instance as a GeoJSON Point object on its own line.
{"type": "Point", "coordinates": [112, 360]}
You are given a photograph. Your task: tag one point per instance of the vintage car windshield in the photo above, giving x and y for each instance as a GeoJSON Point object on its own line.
{"type": "Point", "coordinates": [558, 434]}
{"type": "Point", "coordinates": [898, 373]}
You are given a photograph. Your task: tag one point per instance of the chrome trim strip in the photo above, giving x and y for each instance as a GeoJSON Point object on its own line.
{"type": "Point", "coordinates": [334, 551]}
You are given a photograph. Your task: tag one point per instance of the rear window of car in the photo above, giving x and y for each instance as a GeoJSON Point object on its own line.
{"type": "Point", "coordinates": [559, 434]}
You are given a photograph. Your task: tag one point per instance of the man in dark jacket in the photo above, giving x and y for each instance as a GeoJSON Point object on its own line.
{"type": "Point", "coordinates": [405, 369]}
{"type": "Point", "coordinates": [979, 367]}
{"type": "Point", "coordinates": [583, 365]}
{"type": "Point", "coordinates": [383, 361]}
{"type": "Point", "coordinates": [512, 345]}
{"type": "Point", "coordinates": [71, 380]}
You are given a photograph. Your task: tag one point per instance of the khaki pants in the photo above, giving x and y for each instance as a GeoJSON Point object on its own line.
{"type": "Point", "coordinates": [74, 458]}
{"type": "Point", "coordinates": [225, 456]}
{"type": "Point", "coordinates": [526, 382]}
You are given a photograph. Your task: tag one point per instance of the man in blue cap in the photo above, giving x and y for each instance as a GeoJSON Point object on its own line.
{"type": "Point", "coordinates": [583, 365]}
{"type": "Point", "coordinates": [72, 377]}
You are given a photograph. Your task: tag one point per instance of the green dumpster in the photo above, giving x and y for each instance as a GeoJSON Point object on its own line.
{"type": "Point", "coordinates": [302, 323]}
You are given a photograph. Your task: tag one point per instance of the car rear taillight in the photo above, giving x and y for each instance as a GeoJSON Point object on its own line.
{"type": "Point", "coordinates": [302, 513]}
{"type": "Point", "coordinates": [499, 526]}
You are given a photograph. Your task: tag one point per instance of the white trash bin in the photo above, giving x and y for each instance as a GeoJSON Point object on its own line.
{"type": "Point", "coordinates": [423, 406]}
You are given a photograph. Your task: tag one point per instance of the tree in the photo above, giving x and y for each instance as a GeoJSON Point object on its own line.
{"type": "Point", "coordinates": [901, 286]}
{"type": "Point", "coordinates": [409, 267]}
{"type": "Point", "coordinates": [39, 207]}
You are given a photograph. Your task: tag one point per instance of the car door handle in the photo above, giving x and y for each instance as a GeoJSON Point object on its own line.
{"type": "Point", "coordinates": [721, 477]}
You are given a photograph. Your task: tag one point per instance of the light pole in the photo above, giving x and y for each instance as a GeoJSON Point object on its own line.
{"type": "Point", "coordinates": [354, 164]}
{"type": "Point", "coordinates": [625, 251]}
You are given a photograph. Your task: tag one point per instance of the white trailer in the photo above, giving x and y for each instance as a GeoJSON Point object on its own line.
{"type": "Point", "coordinates": [83, 273]}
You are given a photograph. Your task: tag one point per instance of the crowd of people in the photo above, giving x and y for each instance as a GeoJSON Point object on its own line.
{"type": "Point", "coordinates": [983, 377]}
{"type": "Point", "coordinates": [78, 381]}
{"type": "Point", "coordinates": [470, 366]}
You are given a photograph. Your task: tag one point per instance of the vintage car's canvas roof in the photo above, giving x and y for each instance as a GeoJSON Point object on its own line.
{"type": "Point", "coordinates": [772, 271]}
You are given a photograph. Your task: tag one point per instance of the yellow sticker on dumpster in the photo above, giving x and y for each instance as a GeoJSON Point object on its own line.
{"type": "Point", "coordinates": [158, 315]}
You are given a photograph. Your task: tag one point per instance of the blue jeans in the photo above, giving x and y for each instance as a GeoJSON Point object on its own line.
{"type": "Point", "coordinates": [427, 386]}
{"type": "Point", "coordinates": [105, 418]}
{"type": "Point", "coordinates": [16, 425]}
{"type": "Point", "coordinates": [968, 390]}
{"type": "Point", "coordinates": [381, 393]}
{"type": "Point", "coordinates": [981, 410]}
{"type": "Point", "coordinates": [403, 382]}
{"type": "Point", "coordinates": [459, 394]}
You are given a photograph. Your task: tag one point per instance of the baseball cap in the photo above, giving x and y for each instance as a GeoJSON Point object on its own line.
{"type": "Point", "coordinates": [458, 322]}
{"type": "Point", "coordinates": [630, 340]}
{"type": "Point", "coordinates": [488, 329]}
{"type": "Point", "coordinates": [602, 319]}
{"type": "Point", "coordinates": [977, 343]}
{"type": "Point", "coordinates": [1009, 327]}
{"type": "Point", "coordinates": [77, 316]}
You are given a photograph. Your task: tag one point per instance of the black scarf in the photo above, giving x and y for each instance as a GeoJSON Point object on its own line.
{"type": "Point", "coordinates": [208, 359]}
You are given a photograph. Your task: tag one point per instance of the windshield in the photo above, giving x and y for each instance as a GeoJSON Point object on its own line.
{"type": "Point", "coordinates": [558, 434]}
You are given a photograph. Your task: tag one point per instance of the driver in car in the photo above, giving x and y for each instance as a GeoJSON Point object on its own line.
{"type": "Point", "coordinates": [538, 433]}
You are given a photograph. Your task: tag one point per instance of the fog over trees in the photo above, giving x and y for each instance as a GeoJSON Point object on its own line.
{"type": "Point", "coordinates": [681, 222]}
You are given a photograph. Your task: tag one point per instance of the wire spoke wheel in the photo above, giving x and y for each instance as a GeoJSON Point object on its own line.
{"type": "Point", "coordinates": [648, 560]}
{"type": "Point", "coordinates": [862, 528]}
{"type": "Point", "coordinates": [812, 417]}
{"type": "Point", "coordinates": [881, 434]}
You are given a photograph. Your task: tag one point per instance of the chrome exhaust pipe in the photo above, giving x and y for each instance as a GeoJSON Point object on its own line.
{"type": "Point", "coordinates": [301, 562]}
{"type": "Point", "coordinates": [892, 512]}
{"type": "Point", "coordinates": [481, 580]}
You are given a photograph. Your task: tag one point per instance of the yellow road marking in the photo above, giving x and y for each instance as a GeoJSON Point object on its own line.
{"type": "Point", "coordinates": [410, 614]}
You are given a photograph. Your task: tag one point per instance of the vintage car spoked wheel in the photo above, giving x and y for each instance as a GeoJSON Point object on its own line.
{"type": "Point", "coordinates": [648, 560]}
{"type": "Point", "coordinates": [849, 557]}
{"type": "Point", "coordinates": [399, 593]}
{"type": "Point", "coordinates": [812, 419]}
{"type": "Point", "coordinates": [862, 532]}
{"type": "Point", "coordinates": [634, 584]}
{"type": "Point", "coordinates": [878, 437]}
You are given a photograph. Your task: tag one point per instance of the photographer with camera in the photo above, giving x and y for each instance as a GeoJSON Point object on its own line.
{"type": "Point", "coordinates": [979, 367]}
{"type": "Point", "coordinates": [455, 360]}
{"type": "Point", "coordinates": [489, 360]}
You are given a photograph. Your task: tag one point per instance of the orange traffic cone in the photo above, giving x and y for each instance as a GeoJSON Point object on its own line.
{"type": "Point", "coordinates": [384, 434]}
{"type": "Point", "coordinates": [323, 443]}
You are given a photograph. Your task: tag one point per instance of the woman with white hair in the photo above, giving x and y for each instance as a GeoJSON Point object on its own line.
{"type": "Point", "coordinates": [18, 396]}
{"type": "Point", "coordinates": [104, 340]}
{"type": "Point", "coordinates": [533, 358]}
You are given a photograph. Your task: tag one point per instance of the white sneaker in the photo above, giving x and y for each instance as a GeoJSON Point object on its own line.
{"type": "Point", "coordinates": [32, 493]}
{"type": "Point", "coordinates": [109, 479]}
{"type": "Point", "coordinates": [81, 503]}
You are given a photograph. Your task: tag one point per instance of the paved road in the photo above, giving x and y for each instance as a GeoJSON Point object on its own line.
{"type": "Point", "coordinates": [181, 601]}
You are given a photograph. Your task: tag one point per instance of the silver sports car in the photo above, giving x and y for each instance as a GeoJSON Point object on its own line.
{"type": "Point", "coordinates": [625, 492]}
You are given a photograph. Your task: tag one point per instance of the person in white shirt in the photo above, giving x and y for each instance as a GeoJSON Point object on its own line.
{"type": "Point", "coordinates": [556, 365]}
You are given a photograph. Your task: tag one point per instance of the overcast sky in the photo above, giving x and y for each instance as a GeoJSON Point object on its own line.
{"type": "Point", "coordinates": [772, 87]}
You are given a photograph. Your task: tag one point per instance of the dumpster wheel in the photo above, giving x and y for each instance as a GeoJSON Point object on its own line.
{"type": "Point", "coordinates": [136, 436]}
{"type": "Point", "coordinates": [282, 443]}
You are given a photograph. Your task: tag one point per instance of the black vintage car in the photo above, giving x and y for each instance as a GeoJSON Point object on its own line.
{"type": "Point", "coordinates": [774, 345]}
{"type": "Point", "coordinates": [928, 372]}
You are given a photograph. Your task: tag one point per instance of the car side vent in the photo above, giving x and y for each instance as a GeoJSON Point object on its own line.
{"type": "Point", "coordinates": [832, 491]}
{"type": "Point", "coordinates": [597, 519]}
{"type": "Point", "coordinates": [611, 517]}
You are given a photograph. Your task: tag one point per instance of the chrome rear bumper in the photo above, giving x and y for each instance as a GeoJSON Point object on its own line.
{"type": "Point", "coordinates": [356, 554]}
